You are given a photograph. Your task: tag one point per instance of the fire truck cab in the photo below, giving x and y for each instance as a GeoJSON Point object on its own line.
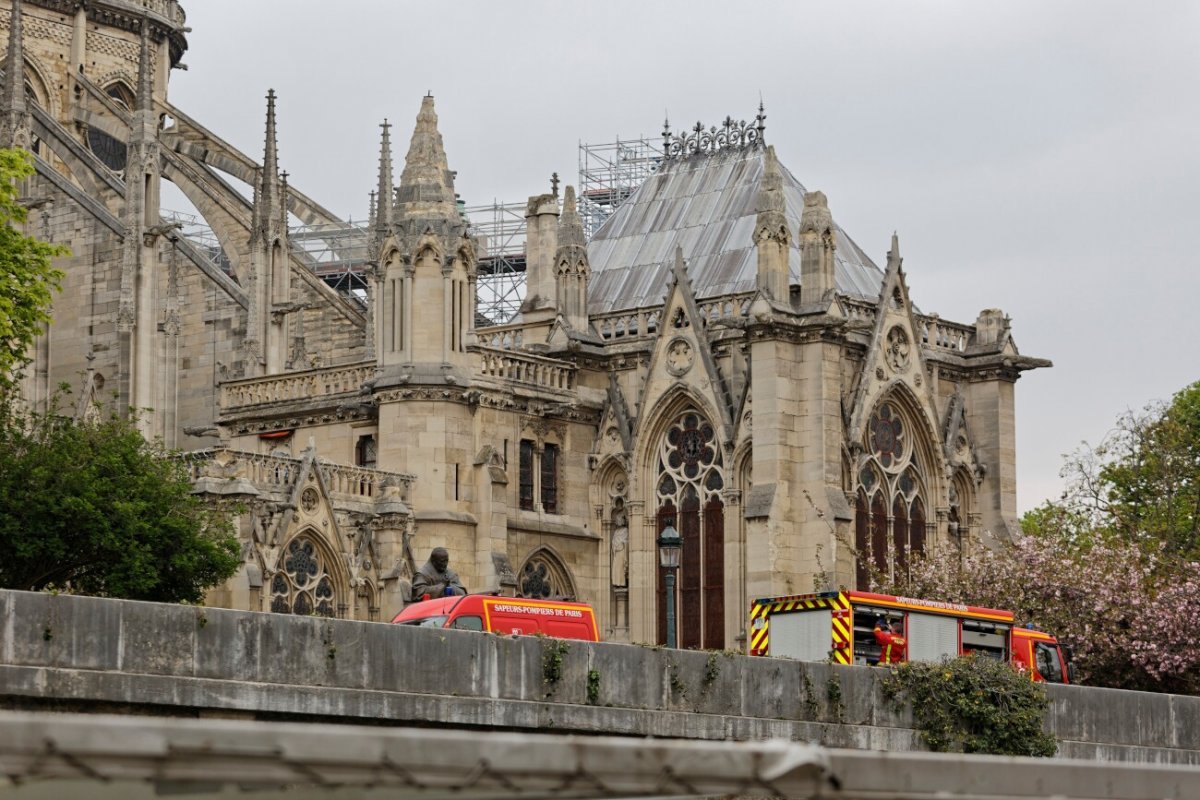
{"type": "Point", "coordinates": [839, 626]}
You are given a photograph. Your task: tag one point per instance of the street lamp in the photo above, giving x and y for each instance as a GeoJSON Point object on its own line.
{"type": "Point", "coordinates": [669, 545]}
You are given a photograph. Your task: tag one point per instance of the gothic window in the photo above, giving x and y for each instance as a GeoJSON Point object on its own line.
{"type": "Point", "coordinates": [303, 584]}
{"type": "Point", "coordinates": [539, 487]}
{"type": "Point", "coordinates": [543, 576]}
{"type": "Point", "coordinates": [550, 479]}
{"type": "Point", "coordinates": [112, 152]}
{"type": "Point", "coordinates": [688, 487]}
{"type": "Point", "coordinates": [526, 477]}
{"type": "Point", "coordinates": [890, 498]}
{"type": "Point", "coordinates": [366, 452]}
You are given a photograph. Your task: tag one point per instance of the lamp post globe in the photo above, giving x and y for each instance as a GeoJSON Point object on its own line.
{"type": "Point", "coordinates": [670, 543]}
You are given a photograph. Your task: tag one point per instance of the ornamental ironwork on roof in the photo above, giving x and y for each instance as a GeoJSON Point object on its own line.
{"type": "Point", "coordinates": [700, 141]}
{"type": "Point", "coordinates": [704, 200]}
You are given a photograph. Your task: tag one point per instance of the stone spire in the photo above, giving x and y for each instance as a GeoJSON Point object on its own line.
{"type": "Point", "coordinates": [893, 256]}
{"type": "Point", "coordinates": [268, 193]}
{"type": "Point", "coordinates": [571, 265]}
{"type": "Point", "coordinates": [427, 184]}
{"type": "Point", "coordinates": [384, 194]}
{"type": "Point", "coordinates": [14, 123]}
{"type": "Point", "coordinates": [771, 235]}
{"type": "Point", "coordinates": [817, 278]}
{"type": "Point", "coordinates": [269, 282]}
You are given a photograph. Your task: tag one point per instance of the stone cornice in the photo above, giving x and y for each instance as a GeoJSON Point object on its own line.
{"type": "Point", "coordinates": [167, 18]}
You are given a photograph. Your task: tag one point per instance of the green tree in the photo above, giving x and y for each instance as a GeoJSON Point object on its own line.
{"type": "Point", "coordinates": [1148, 481]}
{"type": "Point", "coordinates": [27, 278]}
{"type": "Point", "coordinates": [93, 508]}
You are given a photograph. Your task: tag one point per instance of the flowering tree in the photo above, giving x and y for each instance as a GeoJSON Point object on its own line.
{"type": "Point", "coordinates": [1130, 616]}
{"type": "Point", "coordinates": [1112, 568]}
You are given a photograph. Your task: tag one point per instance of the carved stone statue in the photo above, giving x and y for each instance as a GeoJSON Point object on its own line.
{"type": "Point", "coordinates": [620, 545]}
{"type": "Point", "coordinates": [435, 578]}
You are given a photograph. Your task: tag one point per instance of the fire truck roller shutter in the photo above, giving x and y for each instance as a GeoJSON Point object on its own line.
{"type": "Point", "coordinates": [931, 637]}
{"type": "Point", "coordinates": [804, 635]}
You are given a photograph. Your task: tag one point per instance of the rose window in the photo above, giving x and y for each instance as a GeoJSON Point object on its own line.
{"type": "Point", "coordinates": [887, 436]}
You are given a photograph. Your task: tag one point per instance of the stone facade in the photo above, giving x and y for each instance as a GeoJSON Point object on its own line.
{"type": "Point", "coordinates": [795, 421]}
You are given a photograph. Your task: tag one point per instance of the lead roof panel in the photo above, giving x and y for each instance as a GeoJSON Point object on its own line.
{"type": "Point", "coordinates": [704, 204]}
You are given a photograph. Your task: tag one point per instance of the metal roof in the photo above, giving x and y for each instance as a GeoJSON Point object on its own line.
{"type": "Point", "coordinates": [705, 203]}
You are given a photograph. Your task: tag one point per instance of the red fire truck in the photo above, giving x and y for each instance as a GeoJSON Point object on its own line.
{"type": "Point", "coordinates": [839, 626]}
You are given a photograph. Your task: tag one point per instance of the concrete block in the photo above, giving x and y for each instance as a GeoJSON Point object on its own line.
{"type": "Point", "coordinates": [227, 645]}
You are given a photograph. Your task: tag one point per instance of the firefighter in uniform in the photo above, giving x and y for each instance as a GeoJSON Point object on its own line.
{"type": "Point", "coordinates": [891, 640]}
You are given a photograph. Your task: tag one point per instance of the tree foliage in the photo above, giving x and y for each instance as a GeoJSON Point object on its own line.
{"type": "Point", "coordinates": [92, 508]}
{"type": "Point", "coordinates": [27, 278]}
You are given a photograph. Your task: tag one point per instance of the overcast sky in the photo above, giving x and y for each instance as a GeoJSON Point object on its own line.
{"type": "Point", "coordinates": [1040, 157]}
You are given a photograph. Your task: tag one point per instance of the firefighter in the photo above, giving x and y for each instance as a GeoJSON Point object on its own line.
{"type": "Point", "coordinates": [890, 638]}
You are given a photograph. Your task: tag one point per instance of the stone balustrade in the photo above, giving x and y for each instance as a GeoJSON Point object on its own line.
{"type": "Point", "coordinates": [306, 385]}
{"type": "Point", "coordinates": [278, 472]}
{"type": "Point", "coordinates": [942, 335]}
{"type": "Point", "coordinates": [545, 373]}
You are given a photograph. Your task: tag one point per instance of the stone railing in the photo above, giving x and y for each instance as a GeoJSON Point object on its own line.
{"type": "Point", "coordinates": [942, 335]}
{"type": "Point", "coordinates": [627, 324]}
{"type": "Point", "coordinates": [859, 310]}
{"type": "Point", "coordinates": [278, 473]}
{"type": "Point", "coordinates": [307, 385]}
{"type": "Point", "coordinates": [501, 337]}
{"type": "Point", "coordinates": [509, 365]}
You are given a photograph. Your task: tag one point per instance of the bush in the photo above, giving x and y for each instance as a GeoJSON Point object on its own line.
{"type": "Point", "coordinates": [973, 705]}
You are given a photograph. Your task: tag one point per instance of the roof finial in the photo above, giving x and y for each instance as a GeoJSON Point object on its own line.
{"type": "Point", "coordinates": [554, 184]}
{"type": "Point", "coordinates": [761, 120]}
{"type": "Point", "coordinates": [893, 256]}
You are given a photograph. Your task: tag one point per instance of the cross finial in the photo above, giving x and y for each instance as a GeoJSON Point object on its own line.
{"type": "Point", "coordinates": [554, 184]}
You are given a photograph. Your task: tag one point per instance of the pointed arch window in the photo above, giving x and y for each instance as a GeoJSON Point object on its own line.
{"type": "Point", "coordinates": [303, 584]}
{"type": "Point", "coordinates": [690, 477]}
{"type": "Point", "coordinates": [544, 576]}
{"type": "Point", "coordinates": [890, 497]}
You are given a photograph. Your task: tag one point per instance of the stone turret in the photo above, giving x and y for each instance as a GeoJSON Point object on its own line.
{"type": "Point", "coordinates": [428, 263]}
{"type": "Point", "coordinates": [771, 235]}
{"type": "Point", "coordinates": [541, 246]}
{"type": "Point", "coordinates": [270, 271]}
{"type": "Point", "coordinates": [817, 278]}
{"type": "Point", "coordinates": [571, 269]}
{"type": "Point", "coordinates": [14, 114]}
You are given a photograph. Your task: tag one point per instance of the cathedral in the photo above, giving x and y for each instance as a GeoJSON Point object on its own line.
{"type": "Point", "coordinates": [719, 357]}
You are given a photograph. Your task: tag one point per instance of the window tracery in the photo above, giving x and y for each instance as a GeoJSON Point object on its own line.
{"type": "Point", "coordinates": [303, 585]}
{"type": "Point", "coordinates": [891, 502]}
{"type": "Point", "coordinates": [543, 576]}
{"type": "Point", "coordinates": [689, 481]}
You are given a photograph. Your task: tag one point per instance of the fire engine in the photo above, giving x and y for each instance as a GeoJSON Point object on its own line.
{"type": "Point", "coordinates": [839, 626]}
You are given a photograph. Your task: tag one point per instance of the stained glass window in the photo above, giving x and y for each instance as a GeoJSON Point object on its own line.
{"type": "Point", "coordinates": [303, 586]}
{"type": "Point", "coordinates": [689, 484]}
{"type": "Point", "coordinates": [887, 436]}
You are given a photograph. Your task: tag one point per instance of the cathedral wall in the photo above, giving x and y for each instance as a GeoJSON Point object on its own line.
{"type": "Point", "coordinates": [85, 311]}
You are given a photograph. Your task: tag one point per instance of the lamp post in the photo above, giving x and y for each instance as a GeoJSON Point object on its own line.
{"type": "Point", "coordinates": [669, 545]}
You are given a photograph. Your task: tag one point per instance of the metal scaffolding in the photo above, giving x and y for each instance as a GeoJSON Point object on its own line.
{"type": "Point", "coordinates": [499, 230]}
{"type": "Point", "coordinates": [609, 173]}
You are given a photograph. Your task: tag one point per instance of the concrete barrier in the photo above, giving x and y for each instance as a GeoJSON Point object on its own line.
{"type": "Point", "coordinates": [94, 654]}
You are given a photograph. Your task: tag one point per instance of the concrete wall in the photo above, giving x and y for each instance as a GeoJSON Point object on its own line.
{"type": "Point", "coordinates": [93, 654]}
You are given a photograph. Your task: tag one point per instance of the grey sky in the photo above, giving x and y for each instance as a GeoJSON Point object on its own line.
{"type": "Point", "coordinates": [1041, 157]}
